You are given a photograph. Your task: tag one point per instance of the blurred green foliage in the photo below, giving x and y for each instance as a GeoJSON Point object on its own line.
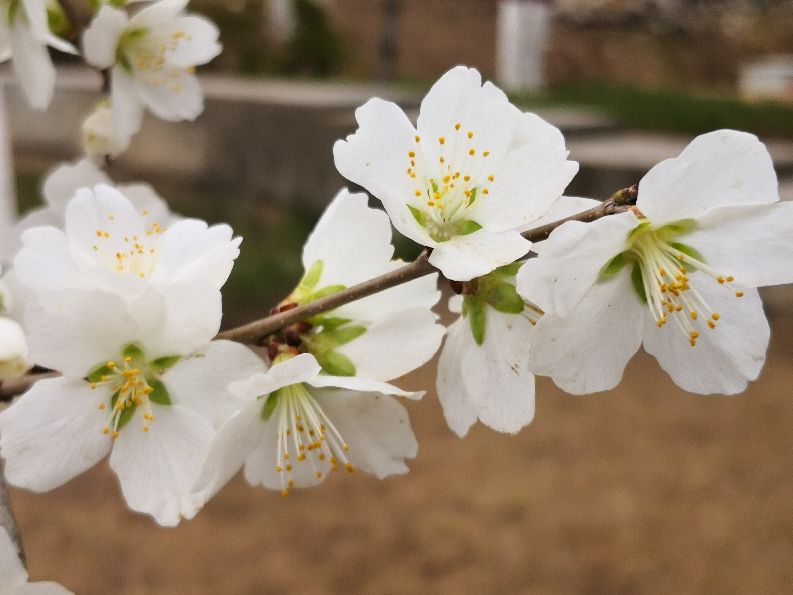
{"type": "Point", "coordinates": [671, 110]}
{"type": "Point", "coordinates": [248, 47]}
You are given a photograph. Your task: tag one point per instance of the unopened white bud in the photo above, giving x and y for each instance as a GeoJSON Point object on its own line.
{"type": "Point", "coordinates": [13, 350]}
{"type": "Point", "coordinates": [99, 137]}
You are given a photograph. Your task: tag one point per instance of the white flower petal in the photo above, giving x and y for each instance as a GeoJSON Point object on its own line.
{"type": "Point", "coordinates": [464, 257]}
{"type": "Point", "coordinates": [157, 469]}
{"type": "Point", "coordinates": [375, 157]}
{"type": "Point", "coordinates": [395, 344]}
{"type": "Point", "coordinates": [351, 239]}
{"type": "Point", "coordinates": [376, 428]}
{"type": "Point", "coordinates": [233, 445]}
{"type": "Point", "coordinates": [298, 369]}
{"type": "Point", "coordinates": [358, 384]}
{"type": "Point", "coordinates": [126, 105]}
{"type": "Point", "coordinates": [42, 588]}
{"type": "Point", "coordinates": [496, 375]}
{"type": "Point", "coordinates": [101, 39]}
{"type": "Point", "coordinates": [13, 350]}
{"type": "Point", "coordinates": [533, 177]}
{"type": "Point", "coordinates": [459, 410]}
{"type": "Point", "coordinates": [725, 358]}
{"type": "Point", "coordinates": [158, 13]}
{"type": "Point", "coordinates": [44, 261]}
{"type": "Point", "coordinates": [79, 331]}
{"type": "Point", "coordinates": [12, 571]}
{"type": "Point", "coordinates": [192, 251]}
{"type": "Point", "coordinates": [177, 319]}
{"type": "Point", "coordinates": [571, 261]}
{"type": "Point", "coordinates": [201, 381]}
{"type": "Point", "coordinates": [32, 66]}
{"type": "Point", "coordinates": [752, 243]}
{"type": "Point", "coordinates": [63, 182]}
{"type": "Point", "coordinates": [588, 350]}
{"type": "Point", "coordinates": [181, 98]}
{"type": "Point", "coordinates": [53, 433]}
{"type": "Point", "coordinates": [198, 46]}
{"type": "Point", "coordinates": [721, 168]}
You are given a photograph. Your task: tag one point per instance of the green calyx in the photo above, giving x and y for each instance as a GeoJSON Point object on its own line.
{"type": "Point", "coordinates": [442, 232]}
{"type": "Point", "coordinates": [638, 238]}
{"type": "Point", "coordinates": [128, 39]}
{"type": "Point", "coordinates": [496, 290]}
{"type": "Point", "coordinates": [307, 290]}
{"type": "Point", "coordinates": [324, 341]}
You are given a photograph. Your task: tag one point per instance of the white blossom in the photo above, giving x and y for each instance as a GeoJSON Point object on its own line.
{"type": "Point", "coordinates": [141, 381]}
{"type": "Point", "coordinates": [463, 181]}
{"type": "Point", "coordinates": [14, 576]}
{"type": "Point", "coordinates": [24, 37]}
{"type": "Point", "coordinates": [298, 425]}
{"type": "Point", "coordinates": [483, 370]}
{"type": "Point", "coordinates": [677, 275]}
{"type": "Point", "coordinates": [108, 244]}
{"type": "Point", "coordinates": [152, 56]}
{"type": "Point", "coordinates": [382, 336]}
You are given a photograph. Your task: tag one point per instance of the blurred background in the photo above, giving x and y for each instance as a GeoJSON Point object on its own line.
{"type": "Point", "coordinates": [645, 489]}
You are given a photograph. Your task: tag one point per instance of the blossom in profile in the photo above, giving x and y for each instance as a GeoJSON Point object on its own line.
{"type": "Point", "coordinates": [677, 274]}
{"type": "Point", "coordinates": [108, 244]}
{"type": "Point", "coordinates": [24, 38]}
{"type": "Point", "coordinates": [13, 345]}
{"type": "Point", "coordinates": [141, 381]}
{"type": "Point", "coordinates": [472, 173]}
{"type": "Point", "coordinates": [152, 56]}
{"type": "Point", "coordinates": [298, 425]}
{"type": "Point", "coordinates": [483, 370]}
{"type": "Point", "coordinates": [382, 336]}
{"type": "Point", "coordinates": [14, 576]}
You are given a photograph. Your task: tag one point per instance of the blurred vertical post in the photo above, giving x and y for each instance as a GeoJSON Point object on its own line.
{"type": "Point", "coordinates": [389, 41]}
{"type": "Point", "coordinates": [282, 19]}
{"type": "Point", "coordinates": [521, 39]}
{"type": "Point", "coordinates": [8, 210]}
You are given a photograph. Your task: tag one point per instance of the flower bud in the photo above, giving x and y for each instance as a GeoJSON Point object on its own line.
{"type": "Point", "coordinates": [13, 350]}
{"type": "Point", "coordinates": [99, 138]}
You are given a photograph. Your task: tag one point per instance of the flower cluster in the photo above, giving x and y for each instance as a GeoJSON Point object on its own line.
{"type": "Point", "coordinates": [122, 298]}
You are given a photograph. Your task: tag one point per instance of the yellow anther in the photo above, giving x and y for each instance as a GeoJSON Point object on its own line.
{"type": "Point", "coordinates": [491, 178]}
{"type": "Point", "coordinates": [418, 193]}
{"type": "Point", "coordinates": [694, 315]}
{"type": "Point", "coordinates": [472, 152]}
{"type": "Point", "coordinates": [457, 126]}
{"type": "Point", "coordinates": [739, 294]}
{"type": "Point", "coordinates": [284, 493]}
{"type": "Point", "coordinates": [442, 140]}
{"type": "Point", "coordinates": [145, 428]}
{"type": "Point", "coordinates": [115, 435]}
{"type": "Point", "coordinates": [716, 316]}
{"type": "Point", "coordinates": [411, 154]}
{"type": "Point", "coordinates": [319, 474]}
{"type": "Point", "coordinates": [486, 154]}
{"type": "Point", "coordinates": [720, 280]}
{"type": "Point", "coordinates": [730, 279]}
{"type": "Point", "coordinates": [279, 469]}
{"type": "Point", "coordinates": [442, 160]}
{"type": "Point", "coordinates": [470, 134]}
{"type": "Point", "coordinates": [291, 483]}
{"type": "Point", "coordinates": [466, 178]}
{"type": "Point", "coordinates": [417, 138]}
{"type": "Point", "coordinates": [105, 430]}
{"type": "Point", "coordinates": [349, 467]}
{"type": "Point", "coordinates": [93, 386]}
{"type": "Point", "coordinates": [485, 191]}
{"type": "Point", "coordinates": [711, 324]}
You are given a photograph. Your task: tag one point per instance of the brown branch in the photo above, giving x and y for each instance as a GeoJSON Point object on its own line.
{"type": "Point", "coordinates": [255, 332]}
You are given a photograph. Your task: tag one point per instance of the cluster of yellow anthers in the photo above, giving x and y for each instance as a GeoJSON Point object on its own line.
{"type": "Point", "coordinates": [670, 293]}
{"type": "Point", "coordinates": [131, 389]}
{"type": "Point", "coordinates": [151, 59]}
{"type": "Point", "coordinates": [303, 425]}
{"type": "Point", "coordinates": [138, 255]}
{"type": "Point", "coordinates": [454, 188]}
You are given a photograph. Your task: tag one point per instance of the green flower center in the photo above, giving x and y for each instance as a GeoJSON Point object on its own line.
{"type": "Point", "coordinates": [660, 276]}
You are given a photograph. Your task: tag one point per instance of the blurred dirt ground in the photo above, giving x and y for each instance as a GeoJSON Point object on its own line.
{"type": "Point", "coordinates": [642, 490]}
